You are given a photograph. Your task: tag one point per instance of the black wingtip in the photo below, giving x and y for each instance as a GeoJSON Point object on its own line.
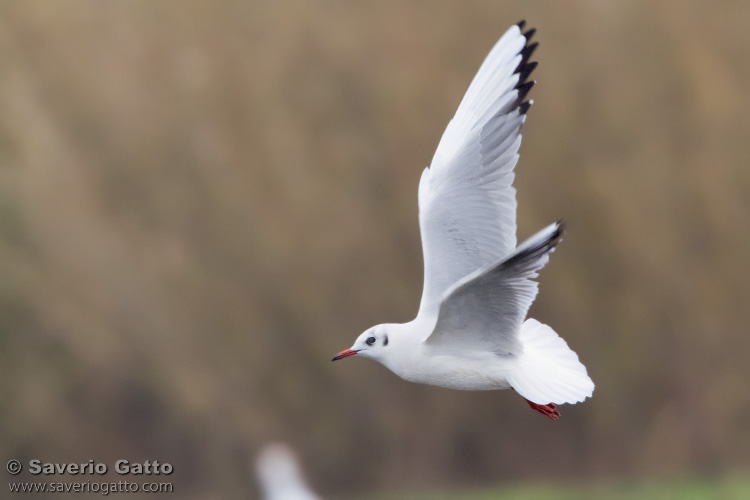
{"type": "Point", "coordinates": [525, 67]}
{"type": "Point", "coordinates": [524, 89]}
{"type": "Point", "coordinates": [556, 237]}
{"type": "Point", "coordinates": [521, 24]}
{"type": "Point", "coordinates": [528, 50]}
{"type": "Point", "coordinates": [534, 251]}
{"type": "Point", "coordinates": [525, 70]}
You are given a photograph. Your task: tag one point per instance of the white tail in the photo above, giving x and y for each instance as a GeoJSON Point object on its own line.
{"type": "Point", "coordinates": [548, 371]}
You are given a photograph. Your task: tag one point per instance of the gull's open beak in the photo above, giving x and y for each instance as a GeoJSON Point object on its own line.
{"type": "Point", "coordinates": [344, 354]}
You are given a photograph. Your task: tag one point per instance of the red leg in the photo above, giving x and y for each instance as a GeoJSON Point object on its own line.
{"type": "Point", "coordinates": [548, 410]}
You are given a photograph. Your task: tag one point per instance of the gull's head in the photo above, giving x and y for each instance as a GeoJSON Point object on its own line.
{"type": "Point", "coordinates": [373, 343]}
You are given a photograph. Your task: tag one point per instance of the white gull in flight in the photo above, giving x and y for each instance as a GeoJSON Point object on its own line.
{"type": "Point", "coordinates": [471, 332]}
{"type": "Point", "coordinates": [280, 475]}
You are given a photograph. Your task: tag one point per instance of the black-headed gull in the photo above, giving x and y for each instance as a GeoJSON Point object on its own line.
{"type": "Point", "coordinates": [471, 331]}
{"type": "Point", "coordinates": [280, 475]}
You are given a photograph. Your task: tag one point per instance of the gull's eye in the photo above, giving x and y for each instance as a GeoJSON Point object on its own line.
{"type": "Point", "coordinates": [370, 340]}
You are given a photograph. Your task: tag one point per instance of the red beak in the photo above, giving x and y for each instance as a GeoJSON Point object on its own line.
{"type": "Point", "coordinates": [344, 354]}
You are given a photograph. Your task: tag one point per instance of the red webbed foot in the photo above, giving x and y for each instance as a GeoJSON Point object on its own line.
{"type": "Point", "coordinates": [548, 410]}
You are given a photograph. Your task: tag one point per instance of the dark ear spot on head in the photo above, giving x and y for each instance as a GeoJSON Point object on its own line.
{"type": "Point", "coordinates": [385, 340]}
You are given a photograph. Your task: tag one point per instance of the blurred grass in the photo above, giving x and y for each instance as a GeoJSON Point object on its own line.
{"type": "Point", "coordinates": [728, 488]}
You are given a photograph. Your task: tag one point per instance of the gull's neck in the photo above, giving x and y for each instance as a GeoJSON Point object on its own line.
{"type": "Point", "coordinates": [405, 342]}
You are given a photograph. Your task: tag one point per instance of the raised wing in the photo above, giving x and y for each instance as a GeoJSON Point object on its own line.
{"type": "Point", "coordinates": [484, 310]}
{"type": "Point", "coordinates": [467, 203]}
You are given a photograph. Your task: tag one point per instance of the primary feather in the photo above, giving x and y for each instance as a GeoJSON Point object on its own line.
{"type": "Point", "coordinates": [467, 202]}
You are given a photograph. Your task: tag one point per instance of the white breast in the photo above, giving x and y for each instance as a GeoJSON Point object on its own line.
{"type": "Point", "coordinates": [469, 371]}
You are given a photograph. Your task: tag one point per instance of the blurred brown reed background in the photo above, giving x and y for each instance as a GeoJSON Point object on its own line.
{"type": "Point", "coordinates": [202, 202]}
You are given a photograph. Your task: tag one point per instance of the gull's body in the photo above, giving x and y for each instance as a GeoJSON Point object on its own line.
{"type": "Point", "coordinates": [416, 361]}
{"type": "Point", "coordinates": [471, 332]}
